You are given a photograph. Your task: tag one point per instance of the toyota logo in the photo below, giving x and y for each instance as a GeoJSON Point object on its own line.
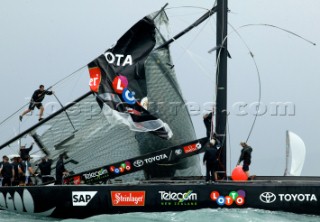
{"type": "Point", "coordinates": [138, 163]}
{"type": "Point", "coordinates": [268, 197]}
{"type": "Point", "coordinates": [178, 152]}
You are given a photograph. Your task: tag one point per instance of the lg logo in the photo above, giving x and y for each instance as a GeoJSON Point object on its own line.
{"type": "Point", "coordinates": [268, 197]}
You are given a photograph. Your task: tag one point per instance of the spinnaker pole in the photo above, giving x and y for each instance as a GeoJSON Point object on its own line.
{"type": "Point", "coordinates": [190, 27]}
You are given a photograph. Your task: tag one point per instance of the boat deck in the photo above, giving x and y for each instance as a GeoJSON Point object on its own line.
{"type": "Point", "coordinates": [259, 180]}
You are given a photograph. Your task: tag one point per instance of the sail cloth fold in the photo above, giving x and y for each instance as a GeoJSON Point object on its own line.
{"type": "Point", "coordinates": [297, 151]}
{"type": "Point", "coordinates": [118, 79]}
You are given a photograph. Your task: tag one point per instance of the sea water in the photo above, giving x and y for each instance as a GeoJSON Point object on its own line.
{"type": "Point", "coordinates": [203, 215]}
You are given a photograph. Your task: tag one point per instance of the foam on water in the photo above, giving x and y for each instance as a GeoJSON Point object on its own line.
{"type": "Point", "coordinates": [203, 215]}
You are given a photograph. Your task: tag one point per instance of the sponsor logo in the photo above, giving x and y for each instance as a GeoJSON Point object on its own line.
{"type": "Point", "coordinates": [120, 86]}
{"type": "Point", "coordinates": [127, 198]}
{"type": "Point", "coordinates": [178, 152]}
{"type": "Point", "coordinates": [269, 197]}
{"type": "Point", "coordinates": [96, 175]}
{"type": "Point", "coordinates": [118, 59]}
{"type": "Point", "coordinates": [234, 197]}
{"type": "Point", "coordinates": [150, 160]}
{"type": "Point", "coordinates": [82, 198]}
{"type": "Point", "coordinates": [192, 147]}
{"type": "Point", "coordinates": [95, 78]}
{"type": "Point", "coordinates": [126, 166]}
{"type": "Point", "coordinates": [170, 198]}
{"type": "Point", "coordinates": [155, 158]}
{"type": "Point", "coordinates": [138, 163]}
{"type": "Point", "coordinates": [22, 201]}
{"type": "Point", "coordinates": [77, 180]}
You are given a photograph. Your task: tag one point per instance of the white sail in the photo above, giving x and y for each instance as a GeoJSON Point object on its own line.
{"type": "Point", "coordinates": [296, 149]}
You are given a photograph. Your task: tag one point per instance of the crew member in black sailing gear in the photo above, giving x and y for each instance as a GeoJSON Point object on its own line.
{"type": "Point", "coordinates": [24, 152]}
{"type": "Point", "coordinates": [36, 100]}
{"type": "Point", "coordinates": [210, 158]}
{"type": "Point", "coordinates": [7, 172]}
{"type": "Point", "coordinates": [207, 119]}
{"type": "Point", "coordinates": [15, 165]}
{"type": "Point", "coordinates": [45, 169]}
{"type": "Point", "coordinates": [245, 156]}
{"type": "Point", "coordinates": [26, 171]}
{"type": "Point", "coordinates": [60, 170]}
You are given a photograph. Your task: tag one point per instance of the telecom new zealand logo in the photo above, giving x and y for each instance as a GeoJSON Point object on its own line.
{"type": "Point", "coordinates": [188, 198]}
{"type": "Point", "coordinates": [237, 197]}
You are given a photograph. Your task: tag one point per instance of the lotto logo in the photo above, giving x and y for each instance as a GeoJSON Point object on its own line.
{"type": "Point", "coordinates": [237, 197]}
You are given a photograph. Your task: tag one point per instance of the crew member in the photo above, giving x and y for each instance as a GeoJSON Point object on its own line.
{"type": "Point", "coordinates": [36, 100]}
{"type": "Point", "coordinates": [15, 165]}
{"type": "Point", "coordinates": [207, 119]}
{"type": "Point", "coordinates": [45, 169]}
{"type": "Point", "coordinates": [7, 172]}
{"type": "Point", "coordinates": [245, 156]}
{"type": "Point", "coordinates": [26, 171]}
{"type": "Point", "coordinates": [60, 170]}
{"type": "Point", "coordinates": [24, 152]}
{"type": "Point", "coordinates": [210, 159]}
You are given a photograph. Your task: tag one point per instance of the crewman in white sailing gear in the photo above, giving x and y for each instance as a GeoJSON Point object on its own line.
{"type": "Point", "coordinates": [36, 100]}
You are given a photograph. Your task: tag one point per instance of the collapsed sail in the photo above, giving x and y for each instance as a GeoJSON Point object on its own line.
{"type": "Point", "coordinates": [85, 131]}
{"type": "Point", "coordinates": [118, 79]}
{"type": "Point", "coordinates": [297, 151]}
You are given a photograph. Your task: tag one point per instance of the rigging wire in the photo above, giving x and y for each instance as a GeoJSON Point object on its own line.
{"type": "Point", "coordinates": [282, 29]}
{"type": "Point", "coordinates": [256, 66]}
{"type": "Point", "coordinates": [259, 81]}
{"type": "Point", "coordinates": [63, 79]}
{"type": "Point", "coordinates": [71, 74]}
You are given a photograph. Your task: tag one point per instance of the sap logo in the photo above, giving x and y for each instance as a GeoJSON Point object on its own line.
{"type": "Point", "coordinates": [82, 198]}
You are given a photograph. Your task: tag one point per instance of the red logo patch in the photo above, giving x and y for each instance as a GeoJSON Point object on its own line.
{"type": "Point", "coordinates": [119, 84]}
{"type": "Point", "coordinates": [128, 198]}
{"type": "Point", "coordinates": [77, 180]}
{"type": "Point", "coordinates": [95, 78]}
{"type": "Point", "coordinates": [190, 148]}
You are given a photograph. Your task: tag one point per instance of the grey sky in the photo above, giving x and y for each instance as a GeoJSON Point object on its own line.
{"type": "Point", "coordinates": [42, 42]}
